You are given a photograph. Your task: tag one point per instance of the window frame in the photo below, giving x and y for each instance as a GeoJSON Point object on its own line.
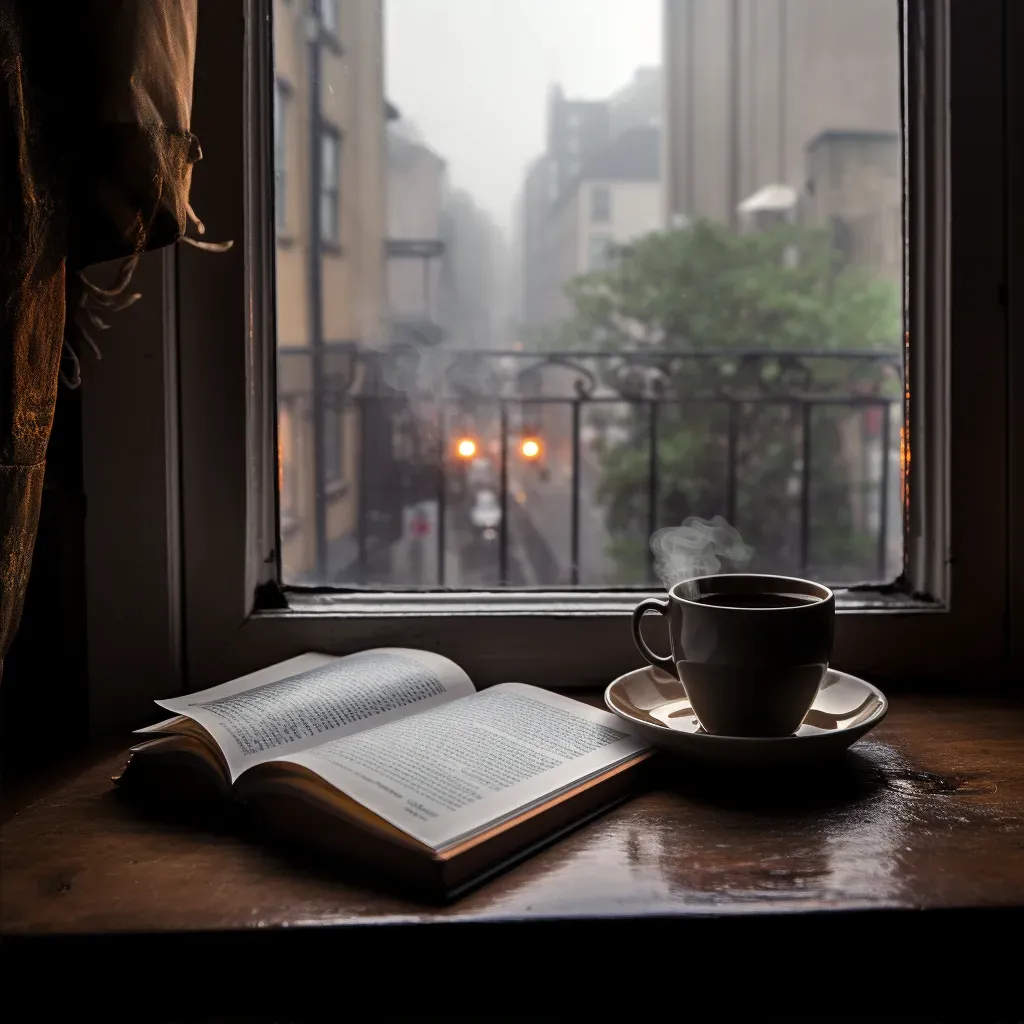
{"type": "Point", "coordinates": [330, 188]}
{"type": "Point", "coordinates": [945, 617]}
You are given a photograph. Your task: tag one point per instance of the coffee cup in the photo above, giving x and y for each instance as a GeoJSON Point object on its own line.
{"type": "Point", "coordinates": [750, 650]}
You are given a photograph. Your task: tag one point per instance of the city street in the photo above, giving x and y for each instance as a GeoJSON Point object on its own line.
{"type": "Point", "coordinates": [540, 531]}
{"type": "Point", "coordinates": [542, 523]}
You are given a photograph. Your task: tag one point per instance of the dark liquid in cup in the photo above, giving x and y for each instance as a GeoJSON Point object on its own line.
{"type": "Point", "coordinates": [773, 600]}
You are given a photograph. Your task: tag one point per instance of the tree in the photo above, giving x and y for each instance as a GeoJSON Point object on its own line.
{"type": "Point", "coordinates": [715, 326]}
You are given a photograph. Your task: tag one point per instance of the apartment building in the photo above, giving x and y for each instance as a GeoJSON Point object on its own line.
{"type": "Point", "coordinates": [594, 185]}
{"type": "Point", "coordinates": [417, 186]}
{"type": "Point", "coordinates": [750, 83]}
{"type": "Point", "coordinates": [639, 102]}
{"type": "Point", "coordinates": [615, 198]}
{"type": "Point", "coordinates": [329, 146]}
{"type": "Point", "coordinates": [854, 186]}
{"type": "Point", "coordinates": [475, 276]}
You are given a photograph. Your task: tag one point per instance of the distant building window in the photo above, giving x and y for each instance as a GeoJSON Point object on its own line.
{"type": "Point", "coordinates": [327, 12]}
{"type": "Point", "coordinates": [330, 172]}
{"type": "Point", "coordinates": [280, 155]}
{"type": "Point", "coordinates": [601, 204]}
{"type": "Point", "coordinates": [599, 256]}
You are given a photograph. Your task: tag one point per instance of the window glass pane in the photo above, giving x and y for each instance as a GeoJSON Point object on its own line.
{"type": "Point", "coordinates": [606, 267]}
{"type": "Point", "coordinates": [327, 11]}
{"type": "Point", "coordinates": [329, 175]}
{"type": "Point", "coordinates": [329, 160]}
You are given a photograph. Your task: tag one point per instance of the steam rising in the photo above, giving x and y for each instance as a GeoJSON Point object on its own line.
{"type": "Point", "coordinates": [696, 548]}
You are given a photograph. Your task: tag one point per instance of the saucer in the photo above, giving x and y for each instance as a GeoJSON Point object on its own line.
{"type": "Point", "coordinates": [654, 704]}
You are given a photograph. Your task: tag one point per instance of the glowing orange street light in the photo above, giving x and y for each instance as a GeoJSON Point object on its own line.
{"type": "Point", "coordinates": [529, 448]}
{"type": "Point", "coordinates": [466, 448]}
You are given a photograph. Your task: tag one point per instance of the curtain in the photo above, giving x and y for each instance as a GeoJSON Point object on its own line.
{"type": "Point", "coordinates": [95, 164]}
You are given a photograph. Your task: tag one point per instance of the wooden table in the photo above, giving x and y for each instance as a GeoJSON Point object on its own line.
{"type": "Point", "coordinates": [795, 888]}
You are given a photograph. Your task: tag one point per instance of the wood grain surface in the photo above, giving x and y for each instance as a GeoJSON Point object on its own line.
{"type": "Point", "coordinates": [926, 813]}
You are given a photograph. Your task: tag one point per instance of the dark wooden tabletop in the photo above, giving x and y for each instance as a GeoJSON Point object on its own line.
{"type": "Point", "coordinates": [926, 813]}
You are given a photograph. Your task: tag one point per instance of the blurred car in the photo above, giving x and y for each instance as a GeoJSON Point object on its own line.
{"type": "Point", "coordinates": [485, 513]}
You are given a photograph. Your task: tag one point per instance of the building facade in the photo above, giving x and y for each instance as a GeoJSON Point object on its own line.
{"type": "Point", "coordinates": [615, 199]}
{"type": "Point", "coordinates": [749, 84]}
{"type": "Point", "coordinates": [475, 282]}
{"type": "Point", "coordinates": [854, 186]}
{"type": "Point", "coordinates": [592, 187]}
{"type": "Point", "coordinates": [329, 146]}
{"type": "Point", "coordinates": [417, 187]}
{"type": "Point", "coordinates": [639, 103]}
{"type": "Point", "coordinates": [538, 193]}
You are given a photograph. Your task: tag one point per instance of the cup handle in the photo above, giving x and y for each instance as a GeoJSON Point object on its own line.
{"type": "Point", "coordinates": [651, 604]}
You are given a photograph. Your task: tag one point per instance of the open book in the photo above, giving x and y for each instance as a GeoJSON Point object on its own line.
{"type": "Point", "coordinates": [391, 759]}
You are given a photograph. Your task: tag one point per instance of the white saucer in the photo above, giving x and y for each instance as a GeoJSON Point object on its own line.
{"type": "Point", "coordinates": [654, 704]}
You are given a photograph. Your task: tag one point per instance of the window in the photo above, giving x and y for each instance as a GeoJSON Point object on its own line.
{"type": "Point", "coordinates": [792, 436]}
{"type": "Point", "coordinates": [676, 423]}
{"type": "Point", "coordinates": [808, 450]}
{"type": "Point", "coordinates": [281, 95]}
{"type": "Point", "coordinates": [599, 251]}
{"type": "Point", "coordinates": [330, 173]}
{"type": "Point", "coordinates": [327, 12]}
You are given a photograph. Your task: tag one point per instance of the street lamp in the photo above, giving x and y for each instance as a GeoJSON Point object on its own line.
{"type": "Point", "coordinates": [529, 448]}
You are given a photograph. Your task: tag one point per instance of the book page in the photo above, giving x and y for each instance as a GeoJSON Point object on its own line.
{"type": "Point", "coordinates": [270, 674]}
{"type": "Point", "coordinates": [279, 710]}
{"type": "Point", "coordinates": [445, 773]}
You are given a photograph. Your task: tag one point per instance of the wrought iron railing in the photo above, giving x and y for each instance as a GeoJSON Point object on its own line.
{"type": "Point", "coordinates": [596, 414]}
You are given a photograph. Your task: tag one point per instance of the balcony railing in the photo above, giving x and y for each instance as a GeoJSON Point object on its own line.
{"type": "Point", "coordinates": [798, 448]}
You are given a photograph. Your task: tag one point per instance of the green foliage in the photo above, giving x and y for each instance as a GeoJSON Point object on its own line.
{"type": "Point", "coordinates": [702, 288]}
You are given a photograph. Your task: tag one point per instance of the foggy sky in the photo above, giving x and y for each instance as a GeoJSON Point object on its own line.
{"type": "Point", "coordinates": [473, 75]}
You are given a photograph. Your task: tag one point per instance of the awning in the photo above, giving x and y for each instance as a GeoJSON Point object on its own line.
{"type": "Point", "coordinates": [770, 197]}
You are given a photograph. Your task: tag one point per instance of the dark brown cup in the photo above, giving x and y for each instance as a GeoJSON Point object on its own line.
{"type": "Point", "coordinates": [750, 650]}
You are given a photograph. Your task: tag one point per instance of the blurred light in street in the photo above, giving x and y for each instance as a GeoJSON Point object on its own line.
{"type": "Point", "coordinates": [466, 448]}
{"type": "Point", "coordinates": [530, 448]}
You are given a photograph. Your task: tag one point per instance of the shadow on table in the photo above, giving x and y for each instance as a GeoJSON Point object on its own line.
{"type": "Point", "coordinates": [851, 778]}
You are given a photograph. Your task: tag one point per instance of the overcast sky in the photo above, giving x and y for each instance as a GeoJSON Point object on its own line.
{"type": "Point", "coordinates": [474, 74]}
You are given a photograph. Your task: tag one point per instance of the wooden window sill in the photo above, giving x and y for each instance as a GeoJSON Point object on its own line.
{"type": "Point", "coordinates": [927, 814]}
